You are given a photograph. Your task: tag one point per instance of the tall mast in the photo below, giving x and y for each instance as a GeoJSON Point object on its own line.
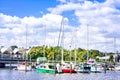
{"type": "Point", "coordinates": [115, 48]}
{"type": "Point", "coordinates": [26, 38]}
{"type": "Point", "coordinates": [71, 45]}
{"type": "Point", "coordinates": [26, 48]}
{"type": "Point", "coordinates": [44, 40]}
{"type": "Point", "coordinates": [75, 35]}
{"type": "Point", "coordinates": [75, 48]}
{"type": "Point", "coordinates": [114, 44]}
{"type": "Point", "coordinates": [70, 53]}
{"type": "Point", "coordinates": [87, 43]}
{"type": "Point", "coordinates": [105, 48]}
{"type": "Point", "coordinates": [62, 40]}
{"type": "Point", "coordinates": [75, 54]}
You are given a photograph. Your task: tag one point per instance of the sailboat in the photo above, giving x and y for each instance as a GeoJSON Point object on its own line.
{"type": "Point", "coordinates": [66, 68]}
{"type": "Point", "coordinates": [25, 66]}
{"type": "Point", "coordinates": [90, 65]}
{"type": "Point", "coordinates": [47, 67]}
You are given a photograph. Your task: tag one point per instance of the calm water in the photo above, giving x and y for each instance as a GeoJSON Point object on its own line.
{"type": "Point", "coordinates": [21, 75]}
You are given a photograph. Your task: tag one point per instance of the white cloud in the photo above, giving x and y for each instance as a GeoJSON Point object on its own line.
{"type": "Point", "coordinates": [64, 7]}
{"type": "Point", "coordinates": [102, 20]}
{"type": "Point", "coordinates": [62, 1]}
{"type": "Point", "coordinates": [14, 33]}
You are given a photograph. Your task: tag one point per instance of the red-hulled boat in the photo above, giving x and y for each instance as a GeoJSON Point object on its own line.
{"type": "Point", "coordinates": [68, 70]}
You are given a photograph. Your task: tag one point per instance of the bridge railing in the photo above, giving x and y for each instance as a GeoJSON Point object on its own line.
{"type": "Point", "coordinates": [16, 59]}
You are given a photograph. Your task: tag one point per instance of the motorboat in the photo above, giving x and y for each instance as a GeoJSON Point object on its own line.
{"type": "Point", "coordinates": [94, 67]}
{"type": "Point", "coordinates": [83, 68]}
{"type": "Point", "coordinates": [48, 68]}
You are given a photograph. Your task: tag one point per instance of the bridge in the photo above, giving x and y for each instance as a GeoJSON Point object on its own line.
{"type": "Point", "coordinates": [4, 61]}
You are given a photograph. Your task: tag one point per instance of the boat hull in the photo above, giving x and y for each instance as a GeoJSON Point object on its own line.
{"type": "Point", "coordinates": [117, 68]}
{"type": "Point", "coordinates": [41, 70]}
{"type": "Point", "coordinates": [23, 68]}
{"type": "Point", "coordinates": [68, 71]}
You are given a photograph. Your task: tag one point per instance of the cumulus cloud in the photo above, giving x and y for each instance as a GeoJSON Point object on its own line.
{"type": "Point", "coordinates": [102, 19]}
{"type": "Point", "coordinates": [13, 30]}
{"type": "Point", "coordinates": [63, 7]}
{"type": "Point", "coordinates": [99, 22]}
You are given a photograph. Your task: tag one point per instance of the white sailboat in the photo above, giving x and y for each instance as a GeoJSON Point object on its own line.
{"type": "Point", "coordinates": [25, 66]}
{"type": "Point", "coordinates": [22, 66]}
{"type": "Point", "coordinates": [47, 67]}
{"type": "Point", "coordinates": [66, 68]}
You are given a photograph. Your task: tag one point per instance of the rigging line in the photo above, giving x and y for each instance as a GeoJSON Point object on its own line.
{"type": "Point", "coordinates": [61, 27]}
{"type": "Point", "coordinates": [59, 37]}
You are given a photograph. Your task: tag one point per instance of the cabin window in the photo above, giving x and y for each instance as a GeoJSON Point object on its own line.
{"type": "Point", "coordinates": [51, 67]}
{"type": "Point", "coordinates": [44, 66]}
{"type": "Point", "coordinates": [40, 66]}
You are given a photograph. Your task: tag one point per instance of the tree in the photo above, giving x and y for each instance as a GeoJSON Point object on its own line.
{"type": "Point", "coordinates": [55, 53]}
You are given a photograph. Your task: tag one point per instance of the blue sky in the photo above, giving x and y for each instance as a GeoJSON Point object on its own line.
{"type": "Point", "coordinates": [37, 8]}
{"type": "Point", "coordinates": [102, 18]}
{"type": "Point", "coordinates": [23, 8]}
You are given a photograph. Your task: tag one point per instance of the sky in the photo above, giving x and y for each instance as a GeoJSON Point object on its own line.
{"type": "Point", "coordinates": [88, 24]}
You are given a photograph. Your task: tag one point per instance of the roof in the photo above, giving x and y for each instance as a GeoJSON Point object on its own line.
{"type": "Point", "coordinates": [41, 59]}
{"type": "Point", "coordinates": [104, 57]}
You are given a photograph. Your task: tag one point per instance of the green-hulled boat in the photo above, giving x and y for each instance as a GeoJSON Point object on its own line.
{"type": "Point", "coordinates": [46, 68]}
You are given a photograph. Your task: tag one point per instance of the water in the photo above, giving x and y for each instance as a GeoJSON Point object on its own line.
{"type": "Point", "coordinates": [21, 75]}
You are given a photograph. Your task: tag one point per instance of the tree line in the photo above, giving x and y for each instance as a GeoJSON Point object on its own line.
{"type": "Point", "coordinates": [54, 53]}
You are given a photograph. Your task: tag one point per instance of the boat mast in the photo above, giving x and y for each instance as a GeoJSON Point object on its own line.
{"type": "Point", "coordinates": [62, 40]}
{"type": "Point", "coordinates": [114, 44]}
{"type": "Point", "coordinates": [75, 35]}
{"type": "Point", "coordinates": [115, 48]}
{"type": "Point", "coordinates": [106, 48]}
{"type": "Point", "coordinates": [75, 50]}
{"type": "Point", "coordinates": [26, 48]}
{"type": "Point", "coordinates": [44, 41]}
{"type": "Point", "coordinates": [87, 43]}
{"type": "Point", "coordinates": [71, 45]}
{"type": "Point", "coordinates": [70, 53]}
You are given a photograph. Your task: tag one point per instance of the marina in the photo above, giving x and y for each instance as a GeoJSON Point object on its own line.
{"type": "Point", "coordinates": [59, 40]}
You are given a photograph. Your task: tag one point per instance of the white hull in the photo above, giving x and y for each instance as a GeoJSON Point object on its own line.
{"type": "Point", "coordinates": [23, 67]}
{"type": "Point", "coordinates": [96, 69]}
{"type": "Point", "coordinates": [117, 68]}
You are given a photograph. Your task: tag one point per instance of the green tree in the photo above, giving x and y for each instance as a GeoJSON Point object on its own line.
{"type": "Point", "coordinates": [55, 53]}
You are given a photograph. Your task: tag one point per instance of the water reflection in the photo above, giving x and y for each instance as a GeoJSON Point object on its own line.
{"type": "Point", "coordinates": [21, 75]}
